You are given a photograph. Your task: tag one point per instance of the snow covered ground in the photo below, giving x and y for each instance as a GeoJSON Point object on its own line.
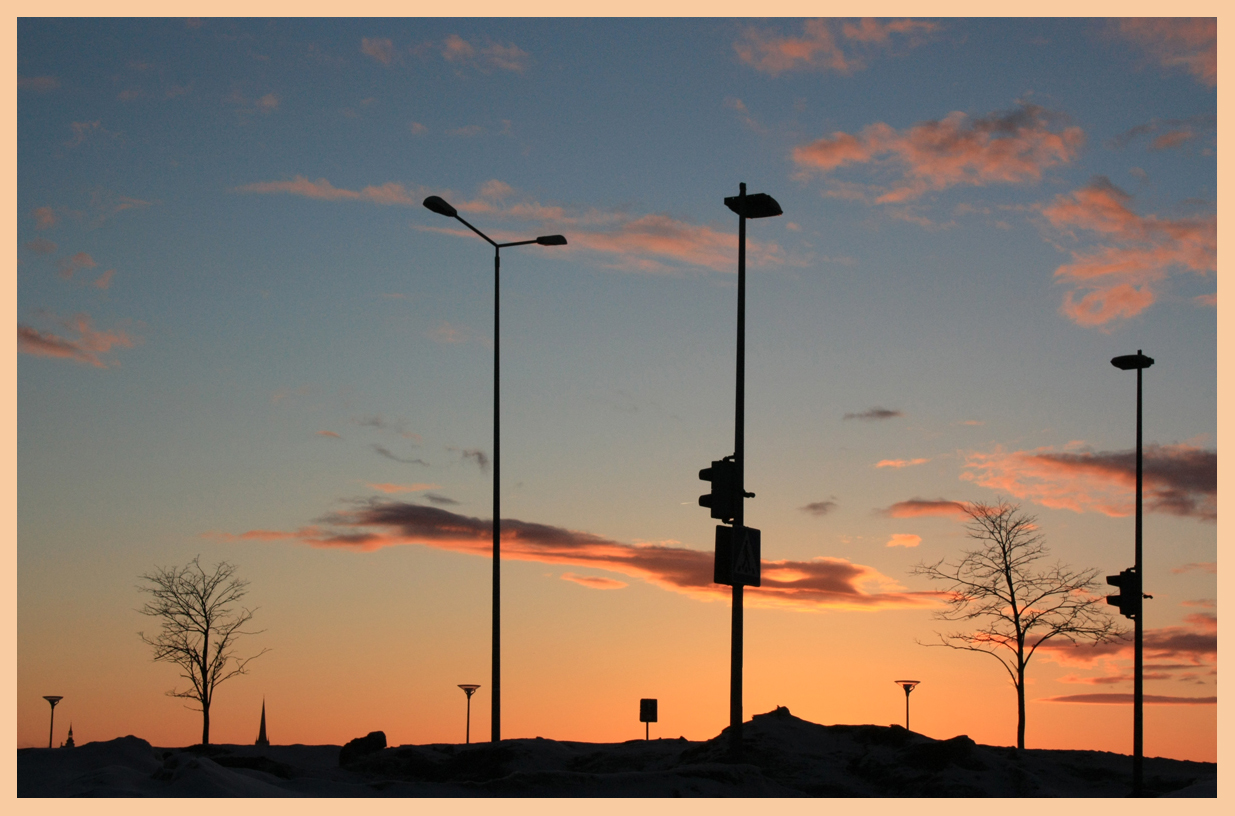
{"type": "Point", "coordinates": [784, 756]}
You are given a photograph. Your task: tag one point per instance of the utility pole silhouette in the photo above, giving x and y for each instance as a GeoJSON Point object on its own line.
{"type": "Point", "coordinates": [53, 699]}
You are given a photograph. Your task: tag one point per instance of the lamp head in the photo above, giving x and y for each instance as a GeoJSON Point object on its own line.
{"type": "Point", "coordinates": [907, 685]}
{"type": "Point", "coordinates": [1128, 362]}
{"type": "Point", "coordinates": [759, 205]}
{"type": "Point", "coordinates": [438, 205]}
{"type": "Point", "coordinates": [551, 240]}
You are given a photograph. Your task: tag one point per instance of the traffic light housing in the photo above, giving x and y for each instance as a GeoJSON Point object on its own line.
{"type": "Point", "coordinates": [1129, 598]}
{"type": "Point", "coordinates": [723, 476]}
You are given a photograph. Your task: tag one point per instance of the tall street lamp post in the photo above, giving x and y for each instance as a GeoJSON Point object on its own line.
{"type": "Point", "coordinates": [1139, 362]}
{"type": "Point", "coordinates": [759, 205]}
{"type": "Point", "coordinates": [439, 206]}
{"type": "Point", "coordinates": [53, 699]}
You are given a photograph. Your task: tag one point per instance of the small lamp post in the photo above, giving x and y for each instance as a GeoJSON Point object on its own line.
{"type": "Point", "coordinates": [908, 686]}
{"type": "Point", "coordinates": [469, 689]}
{"type": "Point", "coordinates": [53, 699]}
{"type": "Point", "coordinates": [441, 207]}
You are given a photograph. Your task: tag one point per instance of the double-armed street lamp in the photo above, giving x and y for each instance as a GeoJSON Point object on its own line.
{"type": "Point", "coordinates": [1132, 582]}
{"type": "Point", "coordinates": [439, 206]}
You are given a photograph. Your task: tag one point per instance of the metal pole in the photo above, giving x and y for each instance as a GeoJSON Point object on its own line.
{"type": "Point", "coordinates": [496, 715]}
{"type": "Point", "coordinates": [1138, 687]}
{"type": "Point", "coordinates": [468, 736]}
{"type": "Point", "coordinates": [51, 729]}
{"type": "Point", "coordinates": [906, 708]}
{"type": "Point", "coordinates": [739, 460]}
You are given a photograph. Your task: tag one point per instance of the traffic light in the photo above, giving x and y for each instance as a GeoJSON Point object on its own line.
{"type": "Point", "coordinates": [723, 476]}
{"type": "Point", "coordinates": [1129, 598]}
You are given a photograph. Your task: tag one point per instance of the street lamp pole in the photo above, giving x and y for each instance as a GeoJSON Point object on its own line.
{"type": "Point", "coordinates": [908, 686]}
{"type": "Point", "coordinates": [53, 699]}
{"type": "Point", "coordinates": [759, 205]}
{"type": "Point", "coordinates": [439, 206]}
{"type": "Point", "coordinates": [469, 689]}
{"type": "Point", "coordinates": [1139, 362]}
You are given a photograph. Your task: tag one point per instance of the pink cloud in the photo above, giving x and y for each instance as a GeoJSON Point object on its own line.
{"type": "Point", "coordinates": [1179, 480]}
{"type": "Point", "coordinates": [44, 217]}
{"type": "Point", "coordinates": [926, 507]}
{"type": "Point", "coordinates": [331, 434]}
{"type": "Point", "coordinates": [821, 583]}
{"type": "Point", "coordinates": [389, 193]}
{"type": "Point", "coordinates": [507, 57]}
{"type": "Point", "coordinates": [86, 348]}
{"type": "Point", "coordinates": [822, 44]}
{"type": "Point", "coordinates": [82, 260]}
{"type": "Point", "coordinates": [1188, 43]}
{"type": "Point", "coordinates": [1200, 566]}
{"type": "Point", "coordinates": [900, 463]}
{"type": "Point", "coordinates": [1140, 252]}
{"type": "Point", "coordinates": [104, 281]}
{"type": "Point", "coordinates": [1007, 147]}
{"type": "Point", "coordinates": [387, 487]}
{"type": "Point", "coordinates": [904, 540]}
{"type": "Point", "coordinates": [379, 48]}
{"type": "Point", "coordinates": [594, 581]}
{"type": "Point", "coordinates": [446, 333]}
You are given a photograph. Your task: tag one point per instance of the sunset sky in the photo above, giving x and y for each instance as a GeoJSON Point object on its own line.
{"type": "Point", "coordinates": [241, 336]}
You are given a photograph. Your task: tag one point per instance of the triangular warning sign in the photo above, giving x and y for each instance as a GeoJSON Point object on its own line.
{"type": "Point", "coordinates": [746, 558]}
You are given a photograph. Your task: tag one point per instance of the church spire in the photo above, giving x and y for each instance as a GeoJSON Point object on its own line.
{"type": "Point", "coordinates": [261, 734]}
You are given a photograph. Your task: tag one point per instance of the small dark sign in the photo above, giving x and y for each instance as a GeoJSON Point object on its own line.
{"type": "Point", "coordinates": [737, 564]}
{"type": "Point", "coordinates": [647, 711]}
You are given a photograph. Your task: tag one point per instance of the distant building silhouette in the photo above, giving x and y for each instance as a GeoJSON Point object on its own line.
{"type": "Point", "coordinates": [68, 743]}
{"type": "Point", "coordinates": [261, 733]}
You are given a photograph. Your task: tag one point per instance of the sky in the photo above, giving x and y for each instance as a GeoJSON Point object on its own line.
{"type": "Point", "coordinates": [241, 337]}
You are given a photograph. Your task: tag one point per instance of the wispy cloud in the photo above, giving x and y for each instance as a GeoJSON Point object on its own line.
{"type": "Point", "coordinates": [904, 540]}
{"type": "Point", "coordinates": [86, 347]}
{"type": "Point", "coordinates": [104, 281]}
{"type": "Point", "coordinates": [75, 263]}
{"type": "Point", "coordinates": [475, 455]}
{"type": "Point", "coordinates": [330, 434]}
{"type": "Point", "coordinates": [40, 246]}
{"type": "Point", "coordinates": [819, 508]}
{"type": "Point", "coordinates": [267, 103]}
{"type": "Point", "coordinates": [1180, 480]}
{"type": "Point", "coordinates": [395, 426]}
{"type": "Point", "coordinates": [1139, 252]}
{"type": "Point", "coordinates": [444, 332]}
{"type": "Point", "coordinates": [44, 217]}
{"type": "Point", "coordinates": [1005, 147]}
{"type": "Point", "coordinates": [440, 500]}
{"type": "Point", "coordinates": [484, 55]}
{"type": "Point", "coordinates": [594, 581]}
{"type": "Point", "coordinates": [900, 463]}
{"type": "Point", "coordinates": [383, 451]}
{"type": "Point", "coordinates": [1167, 134]}
{"type": "Point", "coordinates": [1199, 566]}
{"type": "Point", "coordinates": [1126, 698]}
{"type": "Point", "coordinates": [826, 45]}
{"type": "Point", "coordinates": [379, 48]}
{"type": "Point", "coordinates": [926, 507]}
{"type": "Point", "coordinates": [39, 84]}
{"type": "Point", "coordinates": [818, 584]}
{"type": "Point", "coordinates": [389, 487]}
{"type": "Point", "coordinates": [390, 193]}
{"type": "Point", "coordinates": [1177, 42]}
{"type": "Point", "coordinates": [875, 413]}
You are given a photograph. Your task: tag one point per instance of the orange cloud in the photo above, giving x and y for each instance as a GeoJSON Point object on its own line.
{"type": "Point", "coordinates": [506, 57]}
{"type": "Point", "coordinates": [1202, 566]}
{"type": "Point", "coordinates": [904, 540]}
{"type": "Point", "coordinates": [86, 348]}
{"type": "Point", "coordinates": [387, 487]}
{"type": "Point", "coordinates": [821, 45]}
{"type": "Point", "coordinates": [331, 434]}
{"type": "Point", "coordinates": [818, 584]}
{"type": "Point", "coordinates": [1189, 43]}
{"type": "Point", "coordinates": [40, 246]}
{"type": "Point", "coordinates": [1125, 698]}
{"type": "Point", "coordinates": [593, 581]}
{"type": "Point", "coordinates": [926, 507]}
{"type": "Point", "coordinates": [1141, 252]}
{"type": "Point", "coordinates": [388, 193]}
{"type": "Point", "coordinates": [1002, 147]}
{"type": "Point", "coordinates": [1180, 480]}
{"type": "Point", "coordinates": [104, 281]}
{"type": "Point", "coordinates": [900, 463]}
{"type": "Point", "coordinates": [82, 260]}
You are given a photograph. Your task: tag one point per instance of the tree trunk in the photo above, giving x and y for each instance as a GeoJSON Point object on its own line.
{"type": "Point", "coordinates": [1020, 708]}
{"type": "Point", "coordinates": [206, 724]}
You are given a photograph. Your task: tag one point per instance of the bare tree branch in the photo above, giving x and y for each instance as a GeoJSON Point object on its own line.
{"type": "Point", "coordinates": [199, 628]}
{"type": "Point", "coordinates": [1015, 604]}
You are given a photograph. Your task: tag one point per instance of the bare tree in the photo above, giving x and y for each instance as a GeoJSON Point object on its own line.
{"type": "Point", "coordinates": [200, 627]}
{"type": "Point", "coordinates": [1016, 605]}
